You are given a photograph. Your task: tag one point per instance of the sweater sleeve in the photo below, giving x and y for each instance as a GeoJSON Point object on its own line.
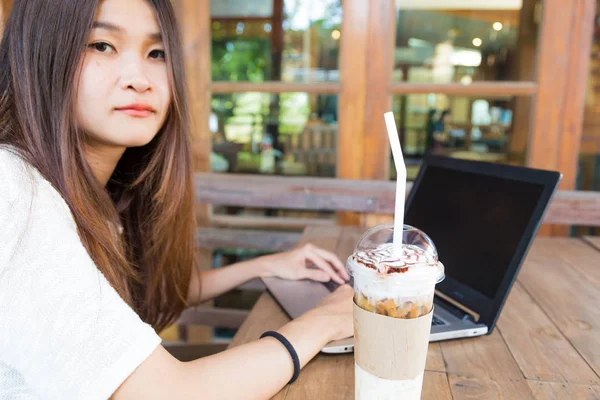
{"type": "Point", "coordinates": [64, 329]}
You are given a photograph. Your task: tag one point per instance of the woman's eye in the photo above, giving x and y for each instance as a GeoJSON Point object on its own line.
{"type": "Point", "coordinates": [101, 47]}
{"type": "Point", "coordinates": [157, 54]}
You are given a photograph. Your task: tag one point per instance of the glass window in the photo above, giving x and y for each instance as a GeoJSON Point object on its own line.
{"type": "Point", "coordinates": [284, 134]}
{"type": "Point", "coordinates": [468, 127]}
{"type": "Point", "coordinates": [441, 41]}
{"type": "Point", "coordinates": [251, 43]}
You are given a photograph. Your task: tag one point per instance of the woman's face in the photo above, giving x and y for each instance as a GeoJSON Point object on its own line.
{"type": "Point", "coordinates": [123, 94]}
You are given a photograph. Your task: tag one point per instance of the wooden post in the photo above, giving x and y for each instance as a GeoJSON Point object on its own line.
{"type": "Point", "coordinates": [5, 6]}
{"type": "Point", "coordinates": [524, 70]}
{"type": "Point", "coordinates": [195, 24]}
{"type": "Point", "coordinates": [563, 66]}
{"type": "Point", "coordinates": [366, 65]}
{"type": "Point", "coordinates": [194, 19]}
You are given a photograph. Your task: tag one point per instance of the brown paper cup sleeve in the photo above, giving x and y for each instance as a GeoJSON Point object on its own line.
{"type": "Point", "coordinates": [391, 348]}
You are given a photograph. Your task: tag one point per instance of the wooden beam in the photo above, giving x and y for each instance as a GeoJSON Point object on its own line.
{"type": "Point", "coordinates": [352, 101]}
{"type": "Point", "coordinates": [552, 75]}
{"type": "Point", "coordinates": [574, 208]}
{"type": "Point", "coordinates": [473, 89]}
{"type": "Point", "coordinates": [295, 193]}
{"type": "Point", "coordinates": [362, 196]}
{"type": "Point", "coordinates": [366, 66]}
{"type": "Point", "coordinates": [213, 316]}
{"type": "Point", "coordinates": [572, 122]}
{"type": "Point", "coordinates": [563, 68]}
{"type": "Point", "coordinates": [275, 87]}
{"type": "Point", "coordinates": [524, 70]}
{"type": "Point", "coordinates": [273, 241]}
{"type": "Point", "coordinates": [194, 18]}
{"type": "Point", "coordinates": [380, 65]}
{"type": "Point", "coordinates": [261, 222]}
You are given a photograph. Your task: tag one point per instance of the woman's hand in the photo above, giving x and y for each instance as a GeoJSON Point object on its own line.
{"type": "Point", "coordinates": [336, 312]}
{"type": "Point", "coordinates": [305, 262]}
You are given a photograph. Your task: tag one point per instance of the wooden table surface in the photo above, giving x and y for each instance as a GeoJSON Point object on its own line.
{"type": "Point", "coordinates": [546, 344]}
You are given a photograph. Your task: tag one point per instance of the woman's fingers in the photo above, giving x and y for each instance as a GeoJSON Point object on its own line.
{"type": "Point", "coordinates": [333, 260]}
{"type": "Point", "coordinates": [322, 264]}
{"type": "Point", "coordinates": [317, 275]}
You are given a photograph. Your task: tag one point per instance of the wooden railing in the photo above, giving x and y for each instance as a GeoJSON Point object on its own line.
{"type": "Point", "coordinates": [369, 197]}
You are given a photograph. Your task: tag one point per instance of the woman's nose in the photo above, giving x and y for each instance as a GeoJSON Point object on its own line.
{"type": "Point", "coordinates": [134, 77]}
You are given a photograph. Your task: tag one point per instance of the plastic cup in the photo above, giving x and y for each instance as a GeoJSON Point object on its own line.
{"type": "Point", "coordinates": [393, 311]}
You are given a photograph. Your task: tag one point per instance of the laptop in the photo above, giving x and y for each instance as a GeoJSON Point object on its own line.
{"type": "Point", "coordinates": [482, 218]}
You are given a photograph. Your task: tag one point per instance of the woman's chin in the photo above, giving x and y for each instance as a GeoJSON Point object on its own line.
{"type": "Point", "coordinates": [138, 141]}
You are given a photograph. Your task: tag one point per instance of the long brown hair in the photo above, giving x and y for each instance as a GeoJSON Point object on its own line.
{"type": "Point", "coordinates": [151, 191]}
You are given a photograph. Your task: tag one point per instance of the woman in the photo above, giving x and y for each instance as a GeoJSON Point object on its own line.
{"type": "Point", "coordinates": [96, 210]}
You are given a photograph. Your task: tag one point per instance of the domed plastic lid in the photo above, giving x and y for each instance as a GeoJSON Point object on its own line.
{"type": "Point", "coordinates": [375, 251]}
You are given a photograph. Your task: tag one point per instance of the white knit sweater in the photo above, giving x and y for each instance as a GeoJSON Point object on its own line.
{"type": "Point", "coordinates": [64, 331]}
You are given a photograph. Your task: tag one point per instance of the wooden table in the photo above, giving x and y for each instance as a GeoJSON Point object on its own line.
{"type": "Point", "coordinates": [546, 345]}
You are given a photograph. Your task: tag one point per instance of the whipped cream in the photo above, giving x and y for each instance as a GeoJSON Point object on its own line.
{"type": "Point", "coordinates": [378, 274]}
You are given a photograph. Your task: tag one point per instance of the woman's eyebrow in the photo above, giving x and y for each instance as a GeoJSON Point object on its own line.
{"type": "Point", "coordinates": [156, 36]}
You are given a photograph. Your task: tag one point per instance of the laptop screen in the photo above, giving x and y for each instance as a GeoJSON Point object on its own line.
{"type": "Point", "coordinates": [476, 221]}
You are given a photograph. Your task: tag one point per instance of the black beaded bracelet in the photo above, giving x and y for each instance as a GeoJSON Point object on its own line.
{"type": "Point", "coordinates": [289, 348]}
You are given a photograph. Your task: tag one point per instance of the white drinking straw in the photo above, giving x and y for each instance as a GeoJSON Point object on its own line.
{"type": "Point", "coordinates": [392, 131]}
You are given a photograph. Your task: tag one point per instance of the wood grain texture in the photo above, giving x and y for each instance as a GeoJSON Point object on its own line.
{"type": "Point", "coordinates": [543, 335]}
{"type": "Point", "coordinates": [574, 107]}
{"type": "Point", "coordinates": [436, 386]}
{"type": "Point", "coordinates": [579, 63]}
{"type": "Point", "coordinates": [260, 222]}
{"type": "Point", "coordinates": [352, 100]}
{"type": "Point", "coordinates": [365, 196]}
{"type": "Point", "coordinates": [194, 22]}
{"type": "Point", "coordinates": [538, 346]}
{"type": "Point", "coordinates": [380, 56]}
{"type": "Point", "coordinates": [563, 391]}
{"type": "Point", "coordinates": [505, 88]}
{"type": "Point", "coordinates": [525, 71]}
{"type": "Point", "coordinates": [557, 121]}
{"type": "Point", "coordinates": [295, 193]}
{"type": "Point", "coordinates": [574, 207]}
{"type": "Point", "coordinates": [552, 77]}
{"type": "Point", "coordinates": [273, 241]}
{"type": "Point", "coordinates": [484, 368]}
{"type": "Point", "coordinates": [368, 29]}
{"type": "Point", "coordinates": [212, 316]}
{"type": "Point", "coordinates": [593, 241]}
{"type": "Point", "coordinates": [570, 268]}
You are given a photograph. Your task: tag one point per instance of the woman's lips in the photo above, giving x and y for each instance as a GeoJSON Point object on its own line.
{"type": "Point", "coordinates": [135, 112]}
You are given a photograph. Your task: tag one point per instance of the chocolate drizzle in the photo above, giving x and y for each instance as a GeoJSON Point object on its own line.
{"type": "Point", "coordinates": [383, 261]}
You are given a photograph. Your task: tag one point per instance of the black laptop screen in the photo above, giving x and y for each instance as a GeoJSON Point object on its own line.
{"type": "Point", "coordinates": [476, 222]}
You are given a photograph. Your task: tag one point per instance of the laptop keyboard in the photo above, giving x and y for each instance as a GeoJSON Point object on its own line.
{"type": "Point", "coordinates": [331, 285]}
{"type": "Point", "coordinates": [436, 321]}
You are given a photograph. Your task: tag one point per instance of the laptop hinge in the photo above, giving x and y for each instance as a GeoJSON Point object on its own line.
{"type": "Point", "coordinates": [461, 307]}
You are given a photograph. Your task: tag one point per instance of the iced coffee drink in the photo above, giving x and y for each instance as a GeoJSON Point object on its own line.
{"type": "Point", "coordinates": [393, 311]}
